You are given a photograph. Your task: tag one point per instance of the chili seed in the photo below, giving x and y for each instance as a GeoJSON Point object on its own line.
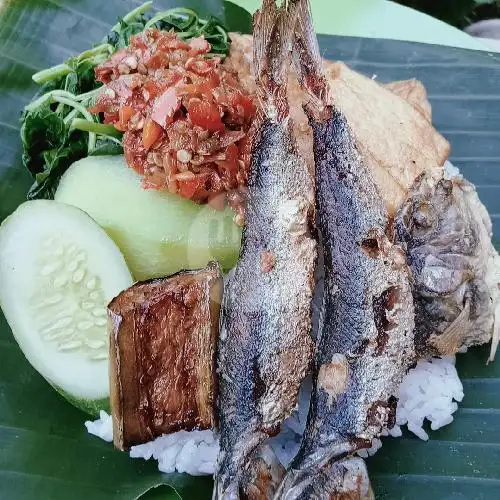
{"type": "Point", "coordinates": [185, 176]}
{"type": "Point", "coordinates": [131, 62]}
{"type": "Point", "coordinates": [184, 156]}
{"type": "Point", "coordinates": [123, 69]}
{"type": "Point", "coordinates": [239, 220]}
{"type": "Point", "coordinates": [158, 159]}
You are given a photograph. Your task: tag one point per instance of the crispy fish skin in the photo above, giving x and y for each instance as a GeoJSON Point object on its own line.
{"type": "Point", "coordinates": [447, 235]}
{"type": "Point", "coordinates": [367, 343]}
{"type": "Point", "coordinates": [265, 349]}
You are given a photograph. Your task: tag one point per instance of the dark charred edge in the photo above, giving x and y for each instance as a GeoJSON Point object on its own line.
{"type": "Point", "coordinates": [357, 444]}
{"type": "Point", "coordinates": [382, 305]}
{"type": "Point", "coordinates": [216, 294]}
{"type": "Point", "coordinates": [390, 229]}
{"type": "Point", "coordinates": [370, 245]}
{"type": "Point", "coordinates": [116, 390]}
{"type": "Point", "coordinates": [211, 266]}
{"type": "Point", "coordinates": [361, 348]}
{"type": "Point", "coordinates": [259, 387]}
{"type": "Point", "coordinates": [375, 417]}
{"type": "Point", "coordinates": [392, 405]}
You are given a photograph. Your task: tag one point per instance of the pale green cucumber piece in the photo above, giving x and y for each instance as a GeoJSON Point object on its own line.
{"type": "Point", "coordinates": [58, 272]}
{"type": "Point", "coordinates": [158, 233]}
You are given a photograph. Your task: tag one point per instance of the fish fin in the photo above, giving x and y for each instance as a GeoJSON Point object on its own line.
{"type": "Point", "coordinates": [260, 477]}
{"type": "Point", "coordinates": [263, 474]}
{"type": "Point", "coordinates": [307, 59]}
{"type": "Point", "coordinates": [221, 493]}
{"type": "Point", "coordinates": [450, 341]}
{"type": "Point", "coordinates": [495, 339]}
{"type": "Point", "coordinates": [273, 36]}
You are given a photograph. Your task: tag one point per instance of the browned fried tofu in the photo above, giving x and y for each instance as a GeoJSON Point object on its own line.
{"type": "Point", "coordinates": [163, 337]}
{"type": "Point", "coordinates": [413, 92]}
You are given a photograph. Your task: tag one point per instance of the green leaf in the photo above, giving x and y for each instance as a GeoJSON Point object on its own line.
{"type": "Point", "coordinates": [49, 149]}
{"type": "Point", "coordinates": [106, 147]}
{"type": "Point", "coordinates": [42, 130]}
{"type": "Point", "coordinates": [45, 452]}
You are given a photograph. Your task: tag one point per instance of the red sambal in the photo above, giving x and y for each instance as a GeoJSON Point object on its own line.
{"type": "Point", "coordinates": [185, 117]}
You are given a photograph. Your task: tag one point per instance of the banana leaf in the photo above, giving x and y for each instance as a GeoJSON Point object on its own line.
{"type": "Point", "coordinates": [45, 452]}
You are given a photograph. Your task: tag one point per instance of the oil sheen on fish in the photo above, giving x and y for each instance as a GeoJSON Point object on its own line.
{"type": "Point", "coordinates": [447, 235]}
{"type": "Point", "coordinates": [366, 345]}
{"type": "Point", "coordinates": [265, 349]}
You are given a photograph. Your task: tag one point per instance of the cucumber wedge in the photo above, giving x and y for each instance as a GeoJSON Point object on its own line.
{"type": "Point", "coordinates": [58, 272]}
{"type": "Point", "coordinates": [159, 233]}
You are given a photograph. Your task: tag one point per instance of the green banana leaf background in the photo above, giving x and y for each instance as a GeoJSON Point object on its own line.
{"type": "Point", "coordinates": [45, 451]}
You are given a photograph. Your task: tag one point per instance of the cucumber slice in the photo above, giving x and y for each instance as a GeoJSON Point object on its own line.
{"type": "Point", "coordinates": [158, 233]}
{"type": "Point", "coordinates": [58, 272]}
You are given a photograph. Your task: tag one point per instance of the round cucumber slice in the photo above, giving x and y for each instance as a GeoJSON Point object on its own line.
{"type": "Point", "coordinates": [58, 272]}
{"type": "Point", "coordinates": [159, 233]}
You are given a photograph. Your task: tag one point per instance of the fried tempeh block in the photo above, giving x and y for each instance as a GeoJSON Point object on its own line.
{"type": "Point", "coordinates": [163, 336]}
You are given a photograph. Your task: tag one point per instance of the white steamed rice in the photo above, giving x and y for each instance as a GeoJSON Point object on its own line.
{"type": "Point", "coordinates": [429, 391]}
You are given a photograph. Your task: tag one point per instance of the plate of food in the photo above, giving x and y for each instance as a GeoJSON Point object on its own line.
{"type": "Point", "coordinates": [239, 260]}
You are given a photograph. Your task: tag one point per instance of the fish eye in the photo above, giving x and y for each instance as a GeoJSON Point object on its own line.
{"type": "Point", "coordinates": [423, 216]}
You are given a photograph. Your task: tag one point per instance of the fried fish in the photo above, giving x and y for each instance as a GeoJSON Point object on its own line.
{"type": "Point", "coordinates": [265, 347]}
{"type": "Point", "coordinates": [446, 232]}
{"type": "Point", "coordinates": [390, 123]}
{"type": "Point", "coordinates": [366, 344]}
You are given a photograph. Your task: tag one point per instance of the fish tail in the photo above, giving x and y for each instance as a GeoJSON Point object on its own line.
{"type": "Point", "coordinates": [220, 492]}
{"type": "Point", "coordinates": [259, 478]}
{"type": "Point", "coordinates": [273, 38]}
{"type": "Point", "coordinates": [341, 479]}
{"type": "Point", "coordinates": [307, 59]}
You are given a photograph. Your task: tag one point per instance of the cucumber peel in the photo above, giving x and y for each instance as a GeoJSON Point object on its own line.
{"type": "Point", "coordinates": [159, 233]}
{"type": "Point", "coordinates": [90, 406]}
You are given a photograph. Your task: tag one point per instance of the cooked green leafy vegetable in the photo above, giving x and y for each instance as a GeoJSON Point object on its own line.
{"type": "Point", "coordinates": [56, 127]}
{"type": "Point", "coordinates": [187, 25]}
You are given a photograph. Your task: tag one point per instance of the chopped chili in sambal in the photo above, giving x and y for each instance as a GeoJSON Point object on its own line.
{"type": "Point", "coordinates": [185, 117]}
